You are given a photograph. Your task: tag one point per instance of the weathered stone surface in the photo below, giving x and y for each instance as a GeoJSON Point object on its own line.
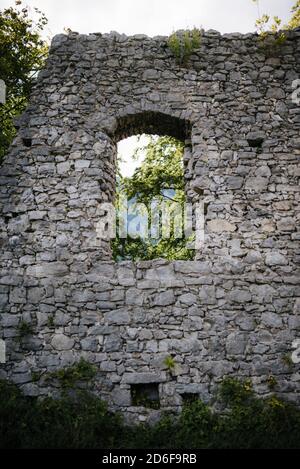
{"type": "Point", "coordinates": [118, 316]}
{"type": "Point", "coordinates": [163, 299]}
{"type": "Point", "coordinates": [90, 343]}
{"type": "Point", "coordinates": [188, 299]}
{"type": "Point", "coordinates": [219, 226]}
{"type": "Point", "coordinates": [234, 308]}
{"type": "Point", "coordinates": [63, 168]}
{"type": "Point", "coordinates": [207, 295]}
{"type": "Point", "coordinates": [234, 182]}
{"type": "Point", "coordinates": [263, 293]}
{"type": "Point", "coordinates": [236, 343]}
{"type": "Point", "coordinates": [35, 295]}
{"type": "Point", "coordinates": [121, 397]}
{"type": "Point", "coordinates": [113, 343]}
{"type": "Point", "coordinates": [275, 93]}
{"type": "Point", "coordinates": [253, 257]}
{"type": "Point", "coordinates": [246, 322]}
{"type": "Point", "coordinates": [62, 342]}
{"type": "Point", "coordinates": [271, 319]}
{"type": "Point", "coordinates": [275, 258]}
{"type": "Point", "coordinates": [134, 297]}
{"type": "Point", "coordinates": [286, 224]}
{"type": "Point", "coordinates": [56, 269]}
{"type": "Point", "coordinates": [239, 296]}
{"type": "Point", "coordinates": [17, 295]}
{"type": "Point", "coordinates": [139, 378]}
{"type": "Point", "coordinates": [257, 184]}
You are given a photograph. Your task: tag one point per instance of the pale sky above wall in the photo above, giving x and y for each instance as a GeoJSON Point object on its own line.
{"type": "Point", "coordinates": [152, 17]}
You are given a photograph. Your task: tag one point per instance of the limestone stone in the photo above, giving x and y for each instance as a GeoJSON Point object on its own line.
{"type": "Point", "coordinates": [234, 182]}
{"type": "Point", "coordinates": [207, 295]}
{"type": "Point", "coordinates": [18, 295]}
{"type": "Point", "coordinates": [81, 164]}
{"type": "Point", "coordinates": [263, 293]}
{"type": "Point", "coordinates": [140, 378]}
{"type": "Point", "coordinates": [240, 296]}
{"type": "Point", "coordinates": [253, 257]}
{"type": "Point", "coordinates": [245, 322]}
{"type": "Point", "coordinates": [89, 343]}
{"type": "Point", "coordinates": [55, 269]}
{"type": "Point", "coordinates": [274, 258]}
{"type": "Point", "coordinates": [121, 397]}
{"type": "Point", "coordinates": [188, 299]}
{"type": "Point", "coordinates": [271, 319]}
{"type": "Point", "coordinates": [62, 342]}
{"type": "Point", "coordinates": [134, 297]}
{"type": "Point", "coordinates": [263, 171]}
{"type": "Point", "coordinates": [35, 295]}
{"type": "Point", "coordinates": [257, 184]}
{"type": "Point", "coordinates": [118, 316]}
{"type": "Point", "coordinates": [220, 225]}
{"type": "Point", "coordinates": [63, 167]}
{"type": "Point", "coordinates": [275, 93]}
{"type": "Point", "coordinates": [286, 224]}
{"type": "Point", "coordinates": [113, 343]}
{"type": "Point", "coordinates": [164, 298]}
{"type": "Point", "coordinates": [236, 343]}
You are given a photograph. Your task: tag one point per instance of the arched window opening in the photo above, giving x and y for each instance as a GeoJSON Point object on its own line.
{"type": "Point", "coordinates": [150, 197]}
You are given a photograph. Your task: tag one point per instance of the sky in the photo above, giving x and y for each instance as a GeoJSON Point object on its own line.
{"type": "Point", "coordinates": [152, 17]}
{"type": "Point", "coordinates": [126, 149]}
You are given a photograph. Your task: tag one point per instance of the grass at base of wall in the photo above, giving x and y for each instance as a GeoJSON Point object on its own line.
{"type": "Point", "coordinates": [84, 421]}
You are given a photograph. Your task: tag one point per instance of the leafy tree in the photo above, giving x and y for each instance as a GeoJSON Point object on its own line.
{"type": "Point", "coordinates": [183, 44]}
{"type": "Point", "coordinates": [158, 180]}
{"type": "Point", "coordinates": [294, 21]}
{"type": "Point", "coordinates": [274, 24]}
{"type": "Point", "coordinates": [161, 169]}
{"type": "Point", "coordinates": [22, 54]}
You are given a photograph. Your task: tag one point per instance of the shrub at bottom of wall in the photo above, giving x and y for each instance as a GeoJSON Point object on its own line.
{"type": "Point", "coordinates": [84, 421]}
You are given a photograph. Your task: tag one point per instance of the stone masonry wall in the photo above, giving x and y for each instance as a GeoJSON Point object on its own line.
{"type": "Point", "coordinates": [234, 310]}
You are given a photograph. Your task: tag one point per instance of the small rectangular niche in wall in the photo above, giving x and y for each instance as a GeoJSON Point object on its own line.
{"type": "Point", "coordinates": [27, 141]}
{"type": "Point", "coordinates": [145, 395]}
{"type": "Point", "coordinates": [255, 139]}
{"type": "Point", "coordinates": [188, 397]}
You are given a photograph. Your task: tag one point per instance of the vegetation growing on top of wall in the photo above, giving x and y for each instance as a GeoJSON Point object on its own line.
{"type": "Point", "coordinates": [273, 24]}
{"type": "Point", "coordinates": [183, 44]}
{"type": "Point", "coordinates": [83, 421]}
{"type": "Point", "coordinates": [271, 30]}
{"type": "Point", "coordinates": [270, 43]}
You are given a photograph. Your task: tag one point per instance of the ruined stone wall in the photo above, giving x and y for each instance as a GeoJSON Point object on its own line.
{"type": "Point", "coordinates": [232, 311]}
